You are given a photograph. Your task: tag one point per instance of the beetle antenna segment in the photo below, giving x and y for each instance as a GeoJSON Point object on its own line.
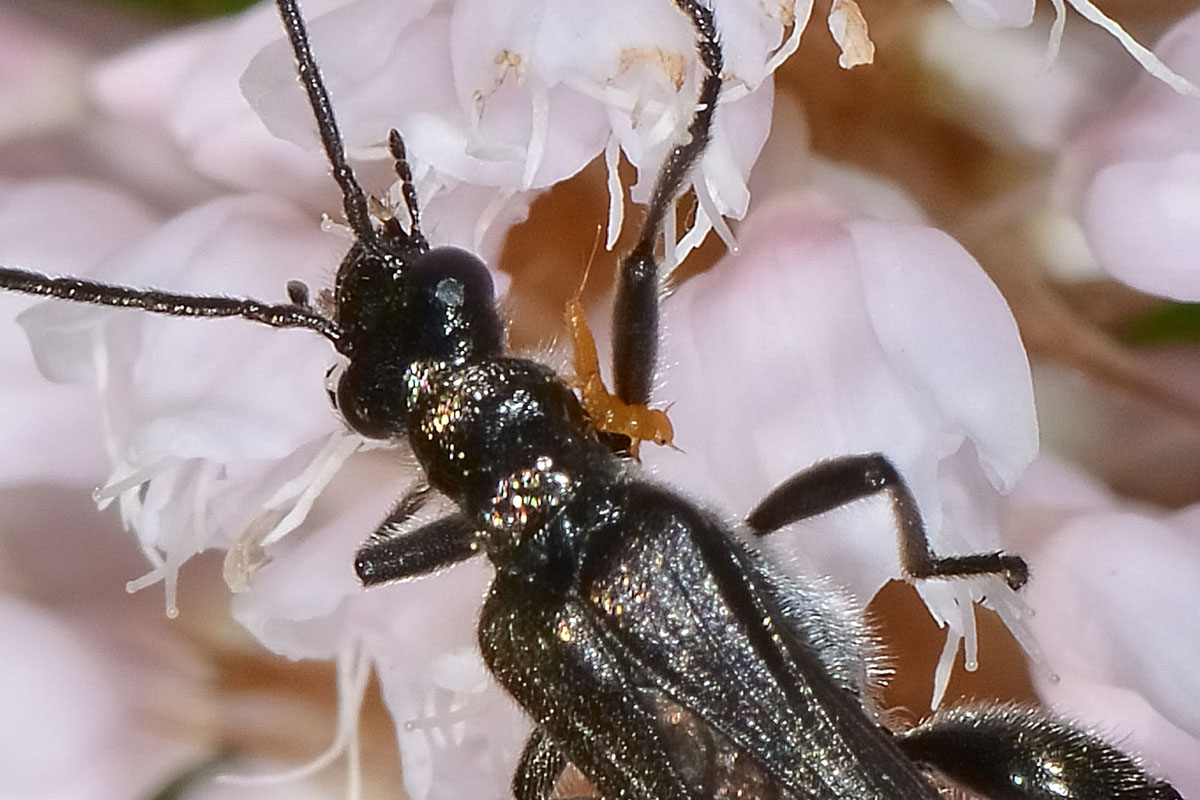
{"type": "Point", "coordinates": [404, 172]}
{"type": "Point", "coordinates": [286, 315]}
{"type": "Point", "coordinates": [354, 200]}
{"type": "Point", "coordinates": [635, 313]}
{"type": "Point", "coordinates": [681, 160]}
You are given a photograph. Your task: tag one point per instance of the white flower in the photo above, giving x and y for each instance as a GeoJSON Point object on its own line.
{"type": "Point", "coordinates": [1112, 600]}
{"type": "Point", "coordinates": [831, 334]}
{"type": "Point", "coordinates": [1133, 178]}
{"type": "Point", "coordinates": [203, 425]}
{"type": "Point", "coordinates": [498, 96]}
{"type": "Point", "coordinates": [1019, 13]}
{"type": "Point", "coordinates": [987, 75]}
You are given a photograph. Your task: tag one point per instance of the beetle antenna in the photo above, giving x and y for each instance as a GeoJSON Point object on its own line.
{"type": "Point", "coordinates": [635, 311]}
{"type": "Point", "coordinates": [296, 314]}
{"type": "Point", "coordinates": [354, 200]}
{"type": "Point", "coordinates": [78, 290]}
{"type": "Point", "coordinates": [683, 157]}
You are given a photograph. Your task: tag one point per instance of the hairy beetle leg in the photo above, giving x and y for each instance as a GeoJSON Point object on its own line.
{"type": "Point", "coordinates": [839, 481]}
{"type": "Point", "coordinates": [391, 555]}
{"type": "Point", "coordinates": [1011, 753]}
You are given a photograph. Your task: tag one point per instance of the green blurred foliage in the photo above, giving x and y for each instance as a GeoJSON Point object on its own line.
{"type": "Point", "coordinates": [1174, 323]}
{"type": "Point", "coordinates": [185, 9]}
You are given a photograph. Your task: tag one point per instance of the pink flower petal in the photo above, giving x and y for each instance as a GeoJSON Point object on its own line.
{"type": "Point", "coordinates": [1113, 593]}
{"type": "Point", "coordinates": [1134, 177]}
{"type": "Point", "coordinates": [50, 426]}
{"type": "Point", "coordinates": [84, 687]}
{"type": "Point", "coordinates": [1143, 219]}
{"type": "Point", "coordinates": [824, 338]}
{"type": "Point", "coordinates": [41, 78]}
{"type": "Point", "coordinates": [184, 86]}
{"type": "Point", "coordinates": [67, 706]}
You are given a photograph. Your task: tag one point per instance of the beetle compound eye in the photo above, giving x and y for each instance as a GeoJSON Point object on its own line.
{"type": "Point", "coordinates": [450, 307]}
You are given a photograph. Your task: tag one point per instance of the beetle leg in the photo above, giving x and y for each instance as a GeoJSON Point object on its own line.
{"type": "Point", "coordinates": [834, 483]}
{"type": "Point", "coordinates": [540, 769]}
{"type": "Point", "coordinates": [392, 555]}
{"type": "Point", "coordinates": [540, 764]}
{"type": "Point", "coordinates": [1011, 753]}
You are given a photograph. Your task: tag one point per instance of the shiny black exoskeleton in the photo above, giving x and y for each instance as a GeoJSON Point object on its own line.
{"type": "Point", "coordinates": [653, 651]}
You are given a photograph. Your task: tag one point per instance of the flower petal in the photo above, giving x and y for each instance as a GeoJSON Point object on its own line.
{"type": "Point", "coordinates": [1143, 219]}
{"type": "Point", "coordinates": [1113, 594]}
{"type": "Point", "coordinates": [1134, 177]}
{"type": "Point", "coordinates": [49, 425]}
{"type": "Point", "coordinates": [825, 338]}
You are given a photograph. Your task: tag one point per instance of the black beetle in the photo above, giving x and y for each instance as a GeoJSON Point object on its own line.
{"type": "Point", "coordinates": [655, 653]}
